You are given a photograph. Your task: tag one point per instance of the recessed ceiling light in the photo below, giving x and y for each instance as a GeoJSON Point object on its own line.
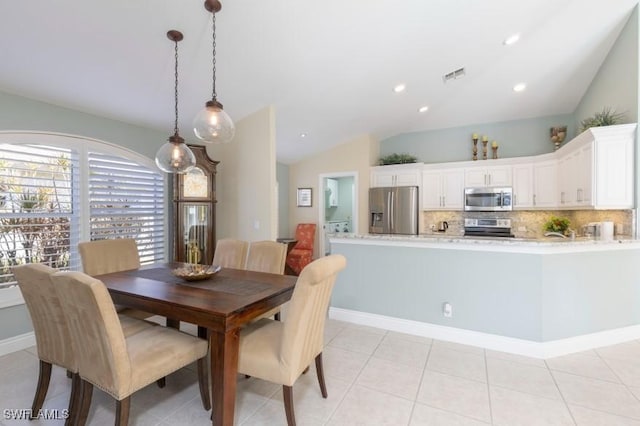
{"type": "Point", "coordinates": [519, 87]}
{"type": "Point", "coordinates": [303, 135]}
{"type": "Point", "coordinates": [423, 109]}
{"type": "Point", "coordinates": [512, 39]}
{"type": "Point", "coordinates": [399, 88]}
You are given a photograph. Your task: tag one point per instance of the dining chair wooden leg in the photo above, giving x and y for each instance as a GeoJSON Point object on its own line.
{"type": "Point", "coordinates": [305, 370]}
{"type": "Point", "coordinates": [122, 411]}
{"type": "Point", "coordinates": [74, 400]}
{"type": "Point", "coordinates": [287, 392]}
{"type": "Point", "coordinates": [277, 316]}
{"type": "Point", "coordinates": [86, 391]}
{"type": "Point", "coordinates": [203, 382]}
{"type": "Point", "coordinates": [161, 382]}
{"type": "Point", "coordinates": [44, 376]}
{"type": "Point", "coordinates": [69, 374]}
{"type": "Point", "coordinates": [320, 373]}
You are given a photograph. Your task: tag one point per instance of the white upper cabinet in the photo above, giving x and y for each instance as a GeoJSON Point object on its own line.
{"type": "Point", "coordinates": [535, 185]}
{"type": "Point", "coordinates": [545, 184]}
{"type": "Point", "coordinates": [596, 170]}
{"type": "Point", "coordinates": [476, 176]}
{"type": "Point", "coordinates": [522, 186]}
{"type": "Point", "coordinates": [396, 175]}
{"type": "Point", "coordinates": [442, 189]}
{"type": "Point", "coordinates": [614, 173]}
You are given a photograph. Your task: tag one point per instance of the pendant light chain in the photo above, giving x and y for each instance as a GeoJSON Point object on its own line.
{"type": "Point", "coordinates": [213, 92]}
{"type": "Point", "coordinates": [175, 126]}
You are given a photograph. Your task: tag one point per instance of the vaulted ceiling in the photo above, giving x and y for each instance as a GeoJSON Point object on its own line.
{"type": "Point", "coordinates": [329, 67]}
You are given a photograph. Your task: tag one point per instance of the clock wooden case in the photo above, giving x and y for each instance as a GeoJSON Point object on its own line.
{"type": "Point", "coordinates": [194, 200]}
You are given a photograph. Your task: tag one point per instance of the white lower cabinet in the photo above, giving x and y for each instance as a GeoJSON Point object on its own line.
{"type": "Point", "coordinates": [442, 189]}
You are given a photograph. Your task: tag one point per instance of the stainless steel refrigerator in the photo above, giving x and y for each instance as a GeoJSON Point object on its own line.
{"type": "Point", "coordinates": [393, 210]}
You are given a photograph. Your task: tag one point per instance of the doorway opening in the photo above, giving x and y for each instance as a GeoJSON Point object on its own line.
{"type": "Point", "coordinates": [338, 207]}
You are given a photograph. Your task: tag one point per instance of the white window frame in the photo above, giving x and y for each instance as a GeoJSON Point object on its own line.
{"type": "Point", "coordinates": [12, 296]}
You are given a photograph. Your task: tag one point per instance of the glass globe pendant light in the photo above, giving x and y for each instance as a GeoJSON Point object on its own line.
{"type": "Point", "coordinates": [175, 156]}
{"type": "Point", "coordinates": [213, 124]}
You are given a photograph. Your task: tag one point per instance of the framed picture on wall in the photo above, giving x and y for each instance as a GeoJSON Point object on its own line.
{"type": "Point", "coordinates": [304, 197]}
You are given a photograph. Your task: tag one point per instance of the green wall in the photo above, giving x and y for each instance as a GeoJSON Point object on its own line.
{"type": "Point", "coordinates": [508, 292]}
{"type": "Point", "coordinates": [615, 85]}
{"type": "Point", "coordinates": [17, 113]}
{"type": "Point", "coordinates": [518, 138]}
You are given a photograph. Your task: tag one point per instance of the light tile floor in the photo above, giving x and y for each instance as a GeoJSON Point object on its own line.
{"type": "Point", "coordinates": [375, 377]}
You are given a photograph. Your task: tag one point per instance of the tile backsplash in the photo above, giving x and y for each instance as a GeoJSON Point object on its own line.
{"type": "Point", "coordinates": [529, 223]}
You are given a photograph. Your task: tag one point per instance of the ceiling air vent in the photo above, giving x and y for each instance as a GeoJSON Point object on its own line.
{"type": "Point", "coordinates": [454, 75]}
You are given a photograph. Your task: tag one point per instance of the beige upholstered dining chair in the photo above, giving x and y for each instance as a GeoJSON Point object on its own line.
{"type": "Point", "coordinates": [115, 363]}
{"type": "Point", "coordinates": [267, 256]}
{"type": "Point", "coordinates": [280, 351]}
{"type": "Point", "coordinates": [230, 253]}
{"type": "Point", "coordinates": [53, 337]}
{"type": "Point", "coordinates": [112, 255]}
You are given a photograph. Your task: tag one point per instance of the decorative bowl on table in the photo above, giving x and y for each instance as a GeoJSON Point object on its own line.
{"type": "Point", "coordinates": [196, 272]}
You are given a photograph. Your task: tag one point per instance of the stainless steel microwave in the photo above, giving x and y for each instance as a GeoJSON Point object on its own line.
{"type": "Point", "coordinates": [490, 199]}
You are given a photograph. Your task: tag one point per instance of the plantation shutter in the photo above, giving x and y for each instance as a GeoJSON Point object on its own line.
{"type": "Point", "coordinates": [38, 216]}
{"type": "Point", "coordinates": [126, 200]}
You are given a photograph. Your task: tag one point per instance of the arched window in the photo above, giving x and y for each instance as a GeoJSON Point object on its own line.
{"type": "Point", "coordinates": [57, 190]}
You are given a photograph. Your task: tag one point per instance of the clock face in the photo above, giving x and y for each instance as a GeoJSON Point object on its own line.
{"type": "Point", "coordinates": [195, 184]}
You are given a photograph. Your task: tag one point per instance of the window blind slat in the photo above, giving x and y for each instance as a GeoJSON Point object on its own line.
{"type": "Point", "coordinates": [127, 201]}
{"type": "Point", "coordinates": [38, 222]}
{"type": "Point", "coordinates": [40, 205]}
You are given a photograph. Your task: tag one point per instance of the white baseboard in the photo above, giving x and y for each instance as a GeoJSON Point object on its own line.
{"type": "Point", "coordinates": [17, 343]}
{"type": "Point", "coordinates": [494, 342]}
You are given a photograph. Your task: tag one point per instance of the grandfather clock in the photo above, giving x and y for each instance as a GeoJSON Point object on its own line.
{"type": "Point", "coordinates": [194, 210]}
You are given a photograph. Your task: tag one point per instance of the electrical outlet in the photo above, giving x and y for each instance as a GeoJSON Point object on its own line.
{"type": "Point", "coordinates": [447, 310]}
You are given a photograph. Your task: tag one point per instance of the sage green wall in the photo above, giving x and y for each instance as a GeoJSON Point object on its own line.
{"type": "Point", "coordinates": [17, 113]}
{"type": "Point", "coordinates": [14, 321]}
{"type": "Point", "coordinates": [532, 296]}
{"type": "Point", "coordinates": [616, 83]}
{"type": "Point", "coordinates": [516, 138]}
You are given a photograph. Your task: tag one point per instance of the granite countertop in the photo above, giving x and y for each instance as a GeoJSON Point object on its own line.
{"type": "Point", "coordinates": [443, 240]}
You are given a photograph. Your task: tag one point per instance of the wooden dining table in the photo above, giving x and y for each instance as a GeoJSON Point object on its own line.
{"type": "Point", "coordinates": [220, 305]}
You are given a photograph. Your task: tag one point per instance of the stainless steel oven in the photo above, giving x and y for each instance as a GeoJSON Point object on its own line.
{"type": "Point", "coordinates": [490, 199]}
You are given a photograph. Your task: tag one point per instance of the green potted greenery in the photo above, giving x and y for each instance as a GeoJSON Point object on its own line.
{"type": "Point", "coordinates": [396, 159]}
{"type": "Point", "coordinates": [606, 117]}
{"type": "Point", "coordinates": [557, 224]}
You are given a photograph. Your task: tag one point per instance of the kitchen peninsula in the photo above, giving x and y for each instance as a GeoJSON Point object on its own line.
{"type": "Point", "coordinates": [534, 297]}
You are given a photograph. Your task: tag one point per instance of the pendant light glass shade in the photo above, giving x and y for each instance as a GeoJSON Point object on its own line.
{"type": "Point", "coordinates": [175, 156]}
{"type": "Point", "coordinates": [214, 125]}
